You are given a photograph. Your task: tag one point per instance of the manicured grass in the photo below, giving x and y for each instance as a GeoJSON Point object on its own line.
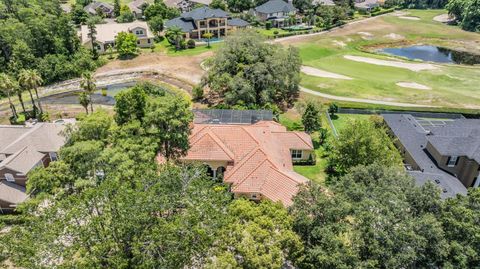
{"type": "Point", "coordinates": [315, 172]}
{"type": "Point", "coordinates": [270, 32]}
{"type": "Point", "coordinates": [453, 86]}
{"type": "Point", "coordinates": [340, 121]}
{"type": "Point", "coordinates": [165, 47]}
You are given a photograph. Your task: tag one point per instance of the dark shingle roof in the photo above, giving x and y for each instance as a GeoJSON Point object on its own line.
{"type": "Point", "coordinates": [92, 7]}
{"type": "Point", "coordinates": [204, 13]}
{"type": "Point", "coordinates": [186, 25]}
{"type": "Point", "coordinates": [414, 138]}
{"type": "Point", "coordinates": [237, 22]}
{"type": "Point", "coordinates": [274, 6]}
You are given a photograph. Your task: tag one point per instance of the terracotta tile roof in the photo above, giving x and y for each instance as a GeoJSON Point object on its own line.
{"type": "Point", "coordinates": [257, 156]}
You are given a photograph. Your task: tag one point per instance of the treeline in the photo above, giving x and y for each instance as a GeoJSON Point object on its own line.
{"type": "Point", "coordinates": [466, 13]}
{"type": "Point", "coordinates": [108, 203]}
{"type": "Point", "coordinates": [38, 35]}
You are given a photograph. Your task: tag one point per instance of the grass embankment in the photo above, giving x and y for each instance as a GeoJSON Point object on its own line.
{"type": "Point", "coordinates": [340, 121]}
{"type": "Point", "coordinates": [452, 86]}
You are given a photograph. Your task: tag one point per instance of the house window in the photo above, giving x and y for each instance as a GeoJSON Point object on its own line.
{"type": "Point", "coordinates": [9, 177]}
{"type": "Point", "coordinates": [139, 32]}
{"type": "Point", "coordinates": [138, 42]}
{"type": "Point", "coordinates": [148, 41]}
{"type": "Point", "coordinates": [296, 154]}
{"type": "Point", "coordinates": [53, 156]}
{"type": "Point", "coordinates": [452, 161]}
{"type": "Point", "coordinates": [253, 196]}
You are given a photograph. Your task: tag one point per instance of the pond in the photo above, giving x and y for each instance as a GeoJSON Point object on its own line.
{"type": "Point", "coordinates": [434, 54]}
{"type": "Point", "coordinates": [69, 98]}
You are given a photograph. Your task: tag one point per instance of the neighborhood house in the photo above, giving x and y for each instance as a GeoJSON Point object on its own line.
{"type": "Point", "coordinates": [106, 34]}
{"type": "Point", "coordinates": [22, 149]}
{"type": "Point", "coordinates": [100, 9]}
{"type": "Point", "coordinates": [186, 5]}
{"type": "Point", "coordinates": [255, 158]}
{"type": "Point", "coordinates": [196, 23]}
{"type": "Point", "coordinates": [446, 153]}
{"type": "Point", "coordinates": [278, 12]}
{"type": "Point", "coordinates": [137, 7]}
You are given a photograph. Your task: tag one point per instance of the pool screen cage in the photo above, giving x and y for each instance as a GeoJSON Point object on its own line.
{"type": "Point", "coordinates": [227, 116]}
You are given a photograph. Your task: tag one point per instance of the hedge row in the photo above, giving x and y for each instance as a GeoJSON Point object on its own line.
{"type": "Point", "coordinates": [306, 31]}
{"type": "Point", "coordinates": [381, 12]}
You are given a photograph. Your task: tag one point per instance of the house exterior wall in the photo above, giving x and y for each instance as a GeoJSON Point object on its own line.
{"type": "Point", "coordinates": [5, 207]}
{"type": "Point", "coordinates": [466, 170]}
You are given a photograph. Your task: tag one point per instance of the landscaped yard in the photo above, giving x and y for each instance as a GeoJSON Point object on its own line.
{"type": "Point", "coordinates": [452, 86]}
{"type": "Point", "coordinates": [340, 121]}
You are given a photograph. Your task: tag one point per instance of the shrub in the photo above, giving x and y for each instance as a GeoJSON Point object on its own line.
{"type": "Point", "coordinates": [197, 92]}
{"type": "Point", "coordinates": [183, 44]}
{"type": "Point", "coordinates": [268, 25]}
{"type": "Point", "coordinates": [275, 32]}
{"type": "Point", "coordinates": [191, 43]}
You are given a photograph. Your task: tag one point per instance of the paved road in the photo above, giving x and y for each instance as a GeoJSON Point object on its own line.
{"type": "Point", "coordinates": [359, 100]}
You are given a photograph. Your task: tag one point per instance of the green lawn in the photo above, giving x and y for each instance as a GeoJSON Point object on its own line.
{"type": "Point", "coordinates": [270, 32]}
{"type": "Point", "coordinates": [340, 121]}
{"type": "Point", "coordinates": [165, 47]}
{"type": "Point", "coordinates": [315, 172]}
{"type": "Point", "coordinates": [452, 86]}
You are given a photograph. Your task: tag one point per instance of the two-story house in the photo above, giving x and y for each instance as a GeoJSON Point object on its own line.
{"type": "Point", "coordinates": [255, 157]}
{"type": "Point", "coordinates": [99, 9]}
{"type": "Point", "coordinates": [106, 34]}
{"type": "Point", "coordinates": [22, 148]}
{"type": "Point", "coordinates": [203, 20]}
{"type": "Point", "coordinates": [138, 7]}
{"type": "Point", "coordinates": [448, 154]}
{"type": "Point", "coordinates": [278, 12]}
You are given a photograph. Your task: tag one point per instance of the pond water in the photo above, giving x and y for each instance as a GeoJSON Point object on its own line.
{"type": "Point", "coordinates": [434, 54]}
{"type": "Point", "coordinates": [98, 98]}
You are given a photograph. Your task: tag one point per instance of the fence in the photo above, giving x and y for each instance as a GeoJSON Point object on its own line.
{"type": "Point", "coordinates": [435, 115]}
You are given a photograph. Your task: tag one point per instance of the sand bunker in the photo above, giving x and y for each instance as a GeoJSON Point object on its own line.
{"type": "Point", "coordinates": [366, 35]}
{"type": "Point", "coordinates": [409, 18]}
{"type": "Point", "coordinates": [445, 18]}
{"type": "Point", "coordinates": [400, 13]}
{"type": "Point", "coordinates": [410, 66]}
{"type": "Point", "coordinates": [413, 85]}
{"type": "Point", "coordinates": [339, 43]}
{"type": "Point", "coordinates": [321, 73]}
{"type": "Point", "coordinates": [394, 36]}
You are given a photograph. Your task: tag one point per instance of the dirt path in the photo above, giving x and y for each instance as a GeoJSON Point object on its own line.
{"type": "Point", "coordinates": [359, 100]}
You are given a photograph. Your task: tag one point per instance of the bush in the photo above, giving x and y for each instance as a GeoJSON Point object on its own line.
{"type": "Point", "coordinates": [191, 43]}
{"type": "Point", "coordinates": [381, 12]}
{"type": "Point", "coordinates": [20, 119]}
{"type": "Point", "coordinates": [197, 92]}
{"type": "Point", "coordinates": [275, 32]}
{"type": "Point", "coordinates": [268, 25]}
{"type": "Point", "coordinates": [183, 44]}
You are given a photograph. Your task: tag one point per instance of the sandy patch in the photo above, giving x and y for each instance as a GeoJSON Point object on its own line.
{"type": "Point", "coordinates": [445, 18]}
{"type": "Point", "coordinates": [400, 13]}
{"type": "Point", "coordinates": [394, 36]}
{"type": "Point", "coordinates": [410, 66]}
{"type": "Point", "coordinates": [339, 43]}
{"type": "Point", "coordinates": [321, 73]}
{"type": "Point", "coordinates": [409, 18]}
{"type": "Point", "coordinates": [366, 35]}
{"type": "Point", "coordinates": [413, 85]}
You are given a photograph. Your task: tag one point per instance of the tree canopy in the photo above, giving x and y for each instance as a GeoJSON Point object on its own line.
{"type": "Point", "coordinates": [248, 71]}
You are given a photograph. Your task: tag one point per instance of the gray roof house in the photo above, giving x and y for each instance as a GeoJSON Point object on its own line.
{"type": "Point", "coordinates": [23, 148]}
{"type": "Point", "coordinates": [277, 11]}
{"type": "Point", "coordinates": [366, 5]}
{"type": "Point", "coordinates": [204, 19]}
{"type": "Point", "coordinates": [446, 153]}
{"type": "Point", "coordinates": [137, 7]}
{"type": "Point", "coordinates": [94, 7]}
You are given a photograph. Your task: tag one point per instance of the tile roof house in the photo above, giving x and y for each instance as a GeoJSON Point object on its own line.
{"type": "Point", "coordinates": [202, 20]}
{"type": "Point", "coordinates": [186, 5]}
{"type": "Point", "coordinates": [23, 148]}
{"type": "Point", "coordinates": [95, 7]}
{"type": "Point", "coordinates": [367, 5]}
{"type": "Point", "coordinates": [255, 159]}
{"type": "Point", "coordinates": [447, 154]}
{"type": "Point", "coordinates": [106, 34]}
{"type": "Point", "coordinates": [277, 11]}
{"type": "Point", "coordinates": [138, 6]}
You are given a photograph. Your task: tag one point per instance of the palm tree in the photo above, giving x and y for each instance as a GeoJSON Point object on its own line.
{"type": "Point", "coordinates": [7, 86]}
{"type": "Point", "coordinates": [26, 82]}
{"type": "Point", "coordinates": [84, 100]}
{"type": "Point", "coordinates": [89, 86]}
{"type": "Point", "coordinates": [175, 34]}
{"type": "Point", "coordinates": [34, 80]}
